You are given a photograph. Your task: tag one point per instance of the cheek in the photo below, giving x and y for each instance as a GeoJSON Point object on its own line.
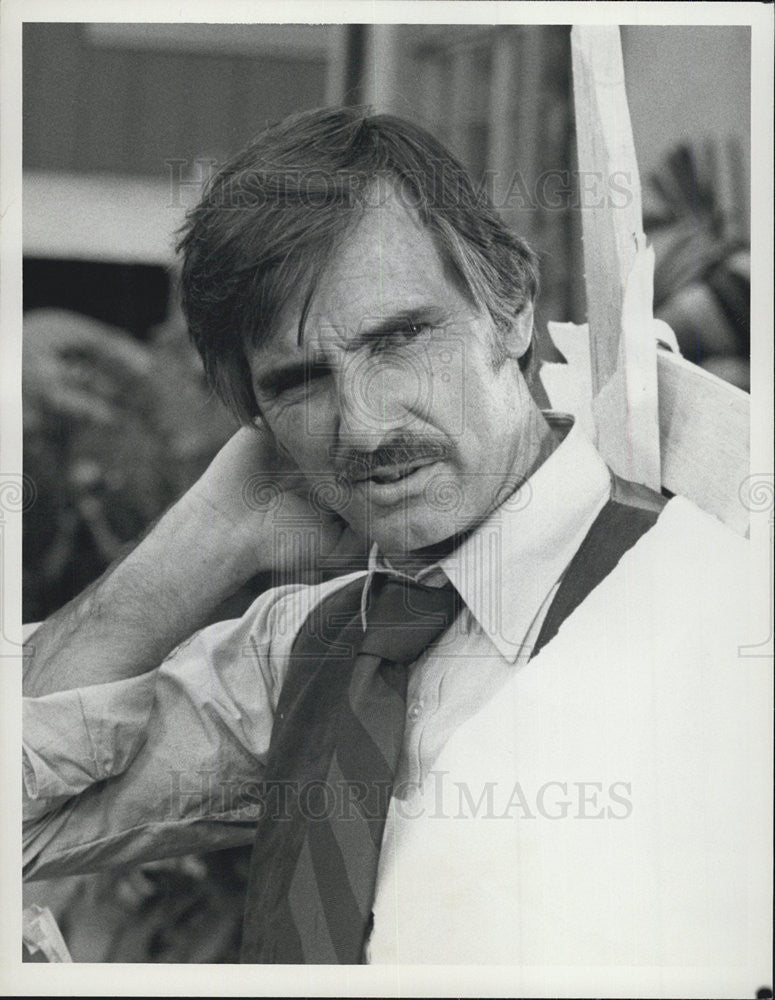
{"type": "Point", "coordinates": [437, 391]}
{"type": "Point", "coordinates": [301, 433]}
{"type": "Point", "coordinates": [287, 427]}
{"type": "Point", "coordinates": [494, 413]}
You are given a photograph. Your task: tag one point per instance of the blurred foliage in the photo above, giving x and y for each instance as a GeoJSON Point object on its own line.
{"type": "Point", "coordinates": [114, 431]}
{"type": "Point", "coordinates": [693, 213]}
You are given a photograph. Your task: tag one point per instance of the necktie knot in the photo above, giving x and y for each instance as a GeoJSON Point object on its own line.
{"type": "Point", "coordinates": [404, 617]}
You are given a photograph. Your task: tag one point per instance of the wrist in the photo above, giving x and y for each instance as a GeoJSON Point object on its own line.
{"type": "Point", "coordinates": [221, 550]}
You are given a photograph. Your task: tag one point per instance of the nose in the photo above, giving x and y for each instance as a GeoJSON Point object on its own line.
{"type": "Point", "coordinates": [377, 396]}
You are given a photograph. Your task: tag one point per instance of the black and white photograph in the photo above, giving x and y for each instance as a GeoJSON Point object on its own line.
{"type": "Point", "coordinates": [386, 499]}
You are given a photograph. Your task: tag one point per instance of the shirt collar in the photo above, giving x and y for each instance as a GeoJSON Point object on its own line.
{"type": "Point", "coordinates": [505, 569]}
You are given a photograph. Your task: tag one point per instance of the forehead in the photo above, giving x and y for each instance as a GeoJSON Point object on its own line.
{"type": "Point", "coordinates": [388, 263]}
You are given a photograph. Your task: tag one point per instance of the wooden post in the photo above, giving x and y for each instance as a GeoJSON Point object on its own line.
{"type": "Point", "coordinates": [502, 140]}
{"type": "Point", "coordinates": [618, 265]}
{"type": "Point", "coordinates": [382, 69]}
{"type": "Point", "coordinates": [336, 63]}
{"type": "Point", "coordinates": [515, 101]}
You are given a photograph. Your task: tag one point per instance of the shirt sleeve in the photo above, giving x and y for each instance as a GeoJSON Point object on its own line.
{"type": "Point", "coordinates": [165, 763]}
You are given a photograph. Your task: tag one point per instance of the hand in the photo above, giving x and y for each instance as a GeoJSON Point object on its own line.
{"type": "Point", "coordinates": [272, 517]}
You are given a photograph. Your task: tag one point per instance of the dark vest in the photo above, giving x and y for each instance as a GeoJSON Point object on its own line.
{"type": "Point", "coordinates": [310, 692]}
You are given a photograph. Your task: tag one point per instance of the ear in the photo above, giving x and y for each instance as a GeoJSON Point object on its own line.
{"type": "Point", "coordinates": [518, 337]}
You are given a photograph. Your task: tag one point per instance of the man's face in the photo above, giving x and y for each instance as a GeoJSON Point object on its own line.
{"type": "Point", "coordinates": [393, 399]}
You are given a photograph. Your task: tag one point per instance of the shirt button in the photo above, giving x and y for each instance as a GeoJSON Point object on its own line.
{"type": "Point", "coordinates": [415, 710]}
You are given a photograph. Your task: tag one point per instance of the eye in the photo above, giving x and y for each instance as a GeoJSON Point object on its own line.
{"type": "Point", "coordinates": [411, 330]}
{"type": "Point", "coordinates": [293, 381]}
{"type": "Point", "coordinates": [307, 381]}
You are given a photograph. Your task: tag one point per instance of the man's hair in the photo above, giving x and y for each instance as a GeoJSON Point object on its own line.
{"type": "Point", "coordinates": [270, 219]}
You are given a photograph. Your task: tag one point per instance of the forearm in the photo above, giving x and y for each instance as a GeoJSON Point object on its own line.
{"type": "Point", "coordinates": [154, 765]}
{"type": "Point", "coordinates": [141, 608]}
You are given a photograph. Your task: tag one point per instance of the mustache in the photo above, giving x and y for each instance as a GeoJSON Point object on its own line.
{"type": "Point", "coordinates": [355, 464]}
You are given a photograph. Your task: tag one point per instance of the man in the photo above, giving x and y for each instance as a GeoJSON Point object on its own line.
{"type": "Point", "coordinates": [413, 745]}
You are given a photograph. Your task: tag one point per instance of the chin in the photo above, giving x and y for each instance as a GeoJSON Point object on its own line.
{"type": "Point", "coordinates": [403, 538]}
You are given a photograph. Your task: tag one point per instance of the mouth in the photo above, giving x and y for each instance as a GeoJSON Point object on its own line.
{"type": "Point", "coordinates": [392, 475]}
{"type": "Point", "coordinates": [388, 474]}
{"type": "Point", "coordinates": [394, 483]}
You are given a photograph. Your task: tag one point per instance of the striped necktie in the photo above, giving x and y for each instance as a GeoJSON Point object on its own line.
{"type": "Point", "coordinates": [332, 887]}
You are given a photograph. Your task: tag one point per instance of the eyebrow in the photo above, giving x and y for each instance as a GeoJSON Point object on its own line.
{"type": "Point", "coordinates": [287, 376]}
